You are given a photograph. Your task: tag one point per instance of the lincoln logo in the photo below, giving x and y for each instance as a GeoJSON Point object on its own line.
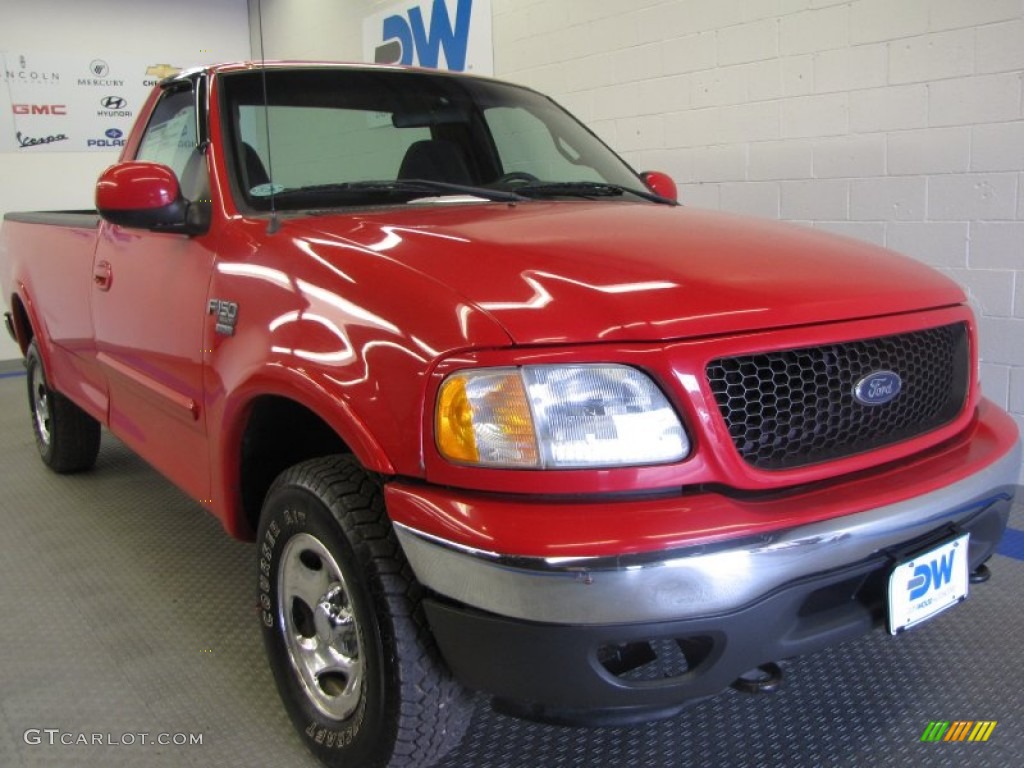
{"type": "Point", "coordinates": [877, 388]}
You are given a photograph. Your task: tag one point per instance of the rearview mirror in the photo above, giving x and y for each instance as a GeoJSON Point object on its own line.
{"type": "Point", "coordinates": [146, 196]}
{"type": "Point", "coordinates": [661, 184]}
{"type": "Point", "coordinates": [427, 118]}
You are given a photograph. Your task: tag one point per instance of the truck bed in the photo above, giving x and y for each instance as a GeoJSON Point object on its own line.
{"type": "Point", "coordinates": [81, 219]}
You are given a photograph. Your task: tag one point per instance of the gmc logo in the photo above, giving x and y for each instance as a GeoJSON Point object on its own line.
{"type": "Point", "coordinates": [40, 109]}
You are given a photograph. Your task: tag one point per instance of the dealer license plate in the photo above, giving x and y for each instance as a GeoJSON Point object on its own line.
{"type": "Point", "coordinates": [929, 583]}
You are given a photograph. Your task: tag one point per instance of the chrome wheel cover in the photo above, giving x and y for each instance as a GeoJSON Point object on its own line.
{"type": "Point", "coordinates": [40, 404]}
{"type": "Point", "coordinates": [319, 627]}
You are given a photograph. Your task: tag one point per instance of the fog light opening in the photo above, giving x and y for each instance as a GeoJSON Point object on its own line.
{"type": "Point", "coordinates": [655, 659]}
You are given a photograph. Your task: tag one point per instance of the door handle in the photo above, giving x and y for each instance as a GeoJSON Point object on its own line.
{"type": "Point", "coordinates": [102, 275]}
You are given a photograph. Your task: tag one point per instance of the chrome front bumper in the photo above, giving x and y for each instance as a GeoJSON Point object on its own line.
{"type": "Point", "coordinates": [699, 581]}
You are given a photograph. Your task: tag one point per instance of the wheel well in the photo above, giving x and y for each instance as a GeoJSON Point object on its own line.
{"type": "Point", "coordinates": [22, 326]}
{"type": "Point", "coordinates": [279, 434]}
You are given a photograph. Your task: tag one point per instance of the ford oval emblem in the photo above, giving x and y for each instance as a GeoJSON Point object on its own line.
{"type": "Point", "coordinates": [877, 388]}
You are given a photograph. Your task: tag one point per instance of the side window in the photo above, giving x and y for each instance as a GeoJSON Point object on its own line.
{"type": "Point", "coordinates": [170, 139]}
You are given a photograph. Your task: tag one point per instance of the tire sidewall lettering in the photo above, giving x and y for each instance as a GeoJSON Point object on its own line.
{"type": "Point", "coordinates": [291, 519]}
{"type": "Point", "coordinates": [270, 539]}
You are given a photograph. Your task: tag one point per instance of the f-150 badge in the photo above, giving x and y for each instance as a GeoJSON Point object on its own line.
{"type": "Point", "coordinates": [226, 313]}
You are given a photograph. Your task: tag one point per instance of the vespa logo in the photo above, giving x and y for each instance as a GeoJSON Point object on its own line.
{"type": "Point", "coordinates": [931, 575]}
{"type": "Point", "coordinates": [407, 38]}
{"type": "Point", "coordinates": [877, 388]}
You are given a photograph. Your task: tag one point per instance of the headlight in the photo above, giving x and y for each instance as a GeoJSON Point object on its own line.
{"type": "Point", "coordinates": [557, 416]}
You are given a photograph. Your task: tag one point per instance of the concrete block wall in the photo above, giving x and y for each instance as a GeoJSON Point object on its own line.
{"type": "Point", "coordinates": [899, 122]}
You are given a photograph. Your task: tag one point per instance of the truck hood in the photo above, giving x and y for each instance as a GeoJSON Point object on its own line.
{"type": "Point", "coordinates": [609, 271]}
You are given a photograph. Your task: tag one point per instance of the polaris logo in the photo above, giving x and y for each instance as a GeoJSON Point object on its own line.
{"type": "Point", "coordinates": [440, 34]}
{"type": "Point", "coordinates": [877, 388]}
{"type": "Point", "coordinates": [114, 138]}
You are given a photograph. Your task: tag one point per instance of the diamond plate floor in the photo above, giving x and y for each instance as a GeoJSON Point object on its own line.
{"type": "Point", "coordinates": [127, 611]}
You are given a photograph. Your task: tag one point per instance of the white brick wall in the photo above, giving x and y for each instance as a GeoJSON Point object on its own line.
{"type": "Point", "coordinates": [895, 121]}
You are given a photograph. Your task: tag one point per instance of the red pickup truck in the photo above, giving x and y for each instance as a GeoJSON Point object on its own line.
{"type": "Point", "coordinates": [499, 414]}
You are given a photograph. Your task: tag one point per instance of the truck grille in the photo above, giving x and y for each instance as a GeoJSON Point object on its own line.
{"type": "Point", "coordinates": [796, 407]}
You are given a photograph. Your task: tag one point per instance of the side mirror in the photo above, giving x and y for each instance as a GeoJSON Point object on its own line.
{"type": "Point", "coordinates": [661, 184]}
{"type": "Point", "coordinates": [146, 196]}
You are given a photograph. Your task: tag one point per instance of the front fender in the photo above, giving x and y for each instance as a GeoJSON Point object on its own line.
{"type": "Point", "coordinates": [345, 331]}
{"type": "Point", "coordinates": [230, 417]}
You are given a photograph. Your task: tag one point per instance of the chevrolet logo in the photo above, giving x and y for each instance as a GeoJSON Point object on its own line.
{"type": "Point", "coordinates": [161, 71]}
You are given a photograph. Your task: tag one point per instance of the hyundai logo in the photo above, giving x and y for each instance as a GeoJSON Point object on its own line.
{"type": "Point", "coordinates": [877, 388]}
{"type": "Point", "coordinates": [113, 102]}
{"type": "Point", "coordinates": [113, 133]}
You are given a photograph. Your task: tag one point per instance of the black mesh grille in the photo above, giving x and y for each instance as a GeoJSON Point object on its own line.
{"type": "Point", "coordinates": [797, 407]}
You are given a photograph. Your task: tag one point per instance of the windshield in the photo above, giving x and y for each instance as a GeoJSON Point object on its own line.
{"type": "Point", "coordinates": [330, 137]}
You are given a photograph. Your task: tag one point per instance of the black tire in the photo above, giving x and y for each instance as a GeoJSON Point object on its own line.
{"type": "Point", "coordinates": [67, 437]}
{"type": "Point", "coordinates": [383, 697]}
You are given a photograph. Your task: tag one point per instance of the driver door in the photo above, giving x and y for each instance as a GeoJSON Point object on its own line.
{"type": "Point", "coordinates": [149, 310]}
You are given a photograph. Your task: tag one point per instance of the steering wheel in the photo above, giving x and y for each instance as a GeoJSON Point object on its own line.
{"type": "Point", "coordinates": [516, 176]}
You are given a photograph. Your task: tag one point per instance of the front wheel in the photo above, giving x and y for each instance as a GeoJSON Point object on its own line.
{"type": "Point", "coordinates": [67, 437]}
{"type": "Point", "coordinates": [353, 659]}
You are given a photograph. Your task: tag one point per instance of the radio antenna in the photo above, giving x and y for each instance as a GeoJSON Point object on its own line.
{"type": "Point", "coordinates": [274, 224]}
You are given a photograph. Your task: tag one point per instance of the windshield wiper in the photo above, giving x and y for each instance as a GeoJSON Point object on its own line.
{"type": "Point", "coordinates": [401, 187]}
{"type": "Point", "coordinates": [588, 189]}
{"type": "Point", "coordinates": [496, 195]}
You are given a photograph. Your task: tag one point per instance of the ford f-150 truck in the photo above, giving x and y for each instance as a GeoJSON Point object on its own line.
{"type": "Point", "coordinates": [498, 412]}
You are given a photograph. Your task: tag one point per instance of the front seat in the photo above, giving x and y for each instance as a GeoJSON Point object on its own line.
{"type": "Point", "coordinates": [435, 160]}
{"type": "Point", "coordinates": [254, 170]}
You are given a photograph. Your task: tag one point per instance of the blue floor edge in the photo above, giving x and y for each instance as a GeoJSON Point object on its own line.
{"type": "Point", "coordinates": [1012, 544]}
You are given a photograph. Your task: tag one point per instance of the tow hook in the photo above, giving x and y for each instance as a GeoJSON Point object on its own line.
{"type": "Point", "coordinates": [766, 678]}
{"type": "Point", "coordinates": [980, 575]}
